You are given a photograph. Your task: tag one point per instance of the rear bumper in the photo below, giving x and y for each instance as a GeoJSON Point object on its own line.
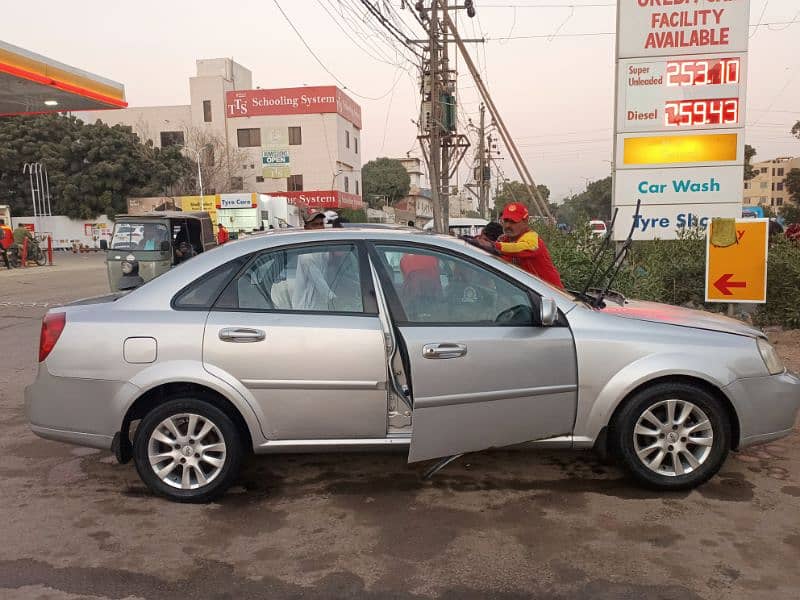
{"type": "Point", "coordinates": [87, 412]}
{"type": "Point", "coordinates": [767, 406]}
{"type": "Point", "coordinates": [92, 440]}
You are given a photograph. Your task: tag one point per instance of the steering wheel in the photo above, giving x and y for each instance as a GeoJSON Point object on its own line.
{"type": "Point", "coordinates": [519, 314]}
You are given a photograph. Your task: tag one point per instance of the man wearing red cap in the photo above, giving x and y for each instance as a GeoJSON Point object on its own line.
{"type": "Point", "coordinates": [523, 247]}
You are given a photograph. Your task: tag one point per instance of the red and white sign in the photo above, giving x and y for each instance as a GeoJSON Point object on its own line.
{"type": "Point", "coordinates": [677, 27]}
{"type": "Point", "coordinates": [322, 199]}
{"type": "Point", "coordinates": [292, 101]}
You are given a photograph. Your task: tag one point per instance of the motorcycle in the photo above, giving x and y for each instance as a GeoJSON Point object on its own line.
{"type": "Point", "coordinates": [35, 253]}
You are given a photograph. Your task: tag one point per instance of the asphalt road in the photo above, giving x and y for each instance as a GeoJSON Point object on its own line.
{"type": "Point", "coordinates": [74, 524]}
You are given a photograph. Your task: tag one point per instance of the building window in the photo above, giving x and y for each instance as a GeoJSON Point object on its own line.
{"type": "Point", "coordinates": [294, 183]}
{"type": "Point", "coordinates": [171, 138]}
{"type": "Point", "coordinates": [763, 185]}
{"type": "Point", "coordinates": [210, 158]}
{"type": "Point", "coordinates": [747, 185]}
{"type": "Point", "coordinates": [772, 202]}
{"type": "Point", "coordinates": [295, 136]}
{"type": "Point", "coordinates": [207, 111]}
{"type": "Point", "coordinates": [780, 172]}
{"type": "Point", "coordinates": [357, 192]}
{"type": "Point", "coordinates": [763, 199]}
{"type": "Point", "coordinates": [355, 141]}
{"type": "Point", "coordinates": [763, 169]}
{"type": "Point", "coordinates": [778, 201]}
{"type": "Point", "coordinates": [779, 186]}
{"type": "Point", "coordinates": [249, 138]}
{"type": "Point", "coordinates": [259, 179]}
{"type": "Point", "coordinates": [346, 184]}
{"type": "Point", "coordinates": [237, 183]}
{"type": "Point", "coordinates": [346, 139]}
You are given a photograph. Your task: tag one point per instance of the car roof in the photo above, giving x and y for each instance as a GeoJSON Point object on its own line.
{"type": "Point", "coordinates": [167, 214]}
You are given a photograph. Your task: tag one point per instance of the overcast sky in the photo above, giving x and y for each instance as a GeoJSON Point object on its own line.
{"type": "Point", "coordinates": [555, 93]}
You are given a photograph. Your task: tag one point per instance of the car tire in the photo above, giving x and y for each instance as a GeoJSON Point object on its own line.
{"type": "Point", "coordinates": [672, 436]}
{"type": "Point", "coordinates": [187, 466]}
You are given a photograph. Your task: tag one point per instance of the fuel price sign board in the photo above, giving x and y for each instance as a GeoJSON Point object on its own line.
{"type": "Point", "coordinates": [679, 93]}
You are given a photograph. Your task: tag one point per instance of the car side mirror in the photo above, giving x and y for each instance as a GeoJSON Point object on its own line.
{"type": "Point", "coordinates": [103, 244]}
{"type": "Point", "coordinates": [549, 312]}
{"type": "Point", "coordinates": [165, 246]}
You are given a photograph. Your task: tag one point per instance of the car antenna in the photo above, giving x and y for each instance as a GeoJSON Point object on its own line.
{"type": "Point", "coordinates": [600, 251]}
{"type": "Point", "coordinates": [619, 258]}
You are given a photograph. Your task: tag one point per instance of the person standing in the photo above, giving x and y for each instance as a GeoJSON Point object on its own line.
{"type": "Point", "coordinates": [522, 246]}
{"type": "Point", "coordinates": [6, 240]}
{"type": "Point", "coordinates": [222, 234]}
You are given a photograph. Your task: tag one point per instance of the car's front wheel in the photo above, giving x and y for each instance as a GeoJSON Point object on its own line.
{"type": "Point", "coordinates": [187, 450]}
{"type": "Point", "coordinates": [672, 436]}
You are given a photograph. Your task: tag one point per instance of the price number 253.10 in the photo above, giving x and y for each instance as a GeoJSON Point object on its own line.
{"type": "Point", "coordinates": [722, 111]}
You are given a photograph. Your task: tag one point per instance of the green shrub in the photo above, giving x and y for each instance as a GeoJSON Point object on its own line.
{"type": "Point", "coordinates": [673, 271]}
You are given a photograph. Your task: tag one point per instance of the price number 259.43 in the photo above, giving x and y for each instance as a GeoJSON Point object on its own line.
{"type": "Point", "coordinates": [723, 111]}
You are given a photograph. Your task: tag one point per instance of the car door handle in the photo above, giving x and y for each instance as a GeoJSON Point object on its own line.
{"type": "Point", "coordinates": [444, 350]}
{"type": "Point", "coordinates": [241, 335]}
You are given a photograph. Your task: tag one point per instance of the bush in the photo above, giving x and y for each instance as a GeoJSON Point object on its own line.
{"type": "Point", "coordinates": [783, 277]}
{"type": "Point", "coordinates": [673, 271]}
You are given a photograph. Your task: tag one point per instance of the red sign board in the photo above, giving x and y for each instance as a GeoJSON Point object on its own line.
{"type": "Point", "coordinates": [323, 199]}
{"type": "Point", "coordinates": [292, 101]}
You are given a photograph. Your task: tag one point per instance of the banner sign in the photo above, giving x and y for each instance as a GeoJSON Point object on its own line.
{"type": "Point", "coordinates": [676, 27]}
{"type": "Point", "coordinates": [275, 158]}
{"type": "Point", "coordinates": [292, 101]}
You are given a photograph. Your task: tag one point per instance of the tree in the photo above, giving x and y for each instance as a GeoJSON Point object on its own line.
{"type": "Point", "coordinates": [796, 130]}
{"type": "Point", "coordinates": [220, 165]}
{"type": "Point", "coordinates": [792, 183]}
{"type": "Point", "coordinates": [593, 203]}
{"type": "Point", "coordinates": [749, 153]}
{"type": "Point", "coordinates": [384, 178]}
{"type": "Point", "coordinates": [516, 191]}
{"type": "Point", "coordinates": [790, 212]}
{"type": "Point", "coordinates": [92, 168]}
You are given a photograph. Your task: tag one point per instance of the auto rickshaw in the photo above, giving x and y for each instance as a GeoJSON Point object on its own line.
{"type": "Point", "coordinates": [145, 246]}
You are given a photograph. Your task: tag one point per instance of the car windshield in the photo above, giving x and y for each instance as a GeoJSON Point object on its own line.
{"type": "Point", "coordinates": [139, 236]}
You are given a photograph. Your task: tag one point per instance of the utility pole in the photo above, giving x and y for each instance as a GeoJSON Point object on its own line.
{"type": "Point", "coordinates": [483, 181]}
{"type": "Point", "coordinates": [445, 146]}
{"type": "Point", "coordinates": [536, 197]}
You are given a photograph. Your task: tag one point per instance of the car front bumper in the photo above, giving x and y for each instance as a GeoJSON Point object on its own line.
{"type": "Point", "coordinates": [767, 407]}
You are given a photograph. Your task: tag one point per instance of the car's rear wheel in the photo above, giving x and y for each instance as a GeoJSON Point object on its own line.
{"type": "Point", "coordinates": [187, 450]}
{"type": "Point", "coordinates": [672, 436]}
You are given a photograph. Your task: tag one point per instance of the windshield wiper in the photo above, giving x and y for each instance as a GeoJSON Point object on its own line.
{"type": "Point", "coordinates": [596, 260]}
{"type": "Point", "coordinates": [619, 258]}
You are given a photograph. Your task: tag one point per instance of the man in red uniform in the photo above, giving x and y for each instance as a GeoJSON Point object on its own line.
{"type": "Point", "coordinates": [523, 247]}
{"type": "Point", "coordinates": [222, 234]}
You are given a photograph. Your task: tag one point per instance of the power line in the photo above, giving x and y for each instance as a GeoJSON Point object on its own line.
{"type": "Point", "coordinates": [392, 29]}
{"type": "Point", "coordinates": [322, 64]}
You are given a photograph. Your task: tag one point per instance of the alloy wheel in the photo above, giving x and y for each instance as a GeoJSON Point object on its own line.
{"type": "Point", "coordinates": [673, 437]}
{"type": "Point", "coordinates": [186, 451]}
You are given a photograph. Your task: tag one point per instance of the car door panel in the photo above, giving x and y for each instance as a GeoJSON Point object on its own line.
{"type": "Point", "coordinates": [309, 349]}
{"type": "Point", "coordinates": [306, 386]}
{"type": "Point", "coordinates": [513, 385]}
{"type": "Point", "coordinates": [477, 383]}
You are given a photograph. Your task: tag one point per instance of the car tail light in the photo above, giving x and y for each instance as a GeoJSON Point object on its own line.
{"type": "Point", "coordinates": [52, 326]}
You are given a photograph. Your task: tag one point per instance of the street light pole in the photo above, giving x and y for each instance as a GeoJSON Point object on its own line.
{"type": "Point", "coordinates": [199, 176]}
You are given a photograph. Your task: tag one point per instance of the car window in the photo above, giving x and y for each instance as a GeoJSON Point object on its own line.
{"type": "Point", "coordinates": [139, 236]}
{"type": "Point", "coordinates": [435, 287]}
{"type": "Point", "coordinates": [202, 293]}
{"type": "Point", "coordinates": [315, 278]}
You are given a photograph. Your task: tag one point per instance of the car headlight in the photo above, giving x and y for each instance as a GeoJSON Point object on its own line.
{"type": "Point", "coordinates": [771, 358]}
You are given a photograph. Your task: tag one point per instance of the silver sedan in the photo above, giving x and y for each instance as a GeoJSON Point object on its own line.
{"type": "Point", "coordinates": [375, 338]}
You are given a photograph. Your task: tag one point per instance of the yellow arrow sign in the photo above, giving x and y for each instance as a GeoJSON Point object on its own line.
{"type": "Point", "coordinates": [738, 272]}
